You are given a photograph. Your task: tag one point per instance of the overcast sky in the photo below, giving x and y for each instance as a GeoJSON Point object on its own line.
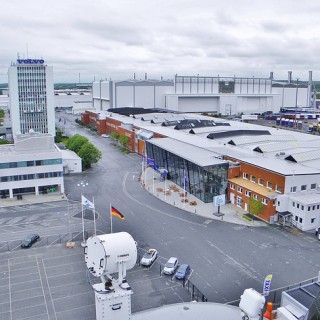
{"type": "Point", "coordinates": [116, 38]}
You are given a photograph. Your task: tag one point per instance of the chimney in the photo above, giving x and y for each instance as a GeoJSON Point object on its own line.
{"type": "Point", "coordinates": [145, 76]}
{"type": "Point", "coordinates": [289, 76]}
{"type": "Point", "coordinates": [271, 75]}
{"type": "Point", "coordinates": [134, 76]}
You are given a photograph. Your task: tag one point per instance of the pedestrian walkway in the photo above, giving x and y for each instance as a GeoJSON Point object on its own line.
{"type": "Point", "coordinates": [173, 194]}
{"type": "Point", "coordinates": [32, 199]}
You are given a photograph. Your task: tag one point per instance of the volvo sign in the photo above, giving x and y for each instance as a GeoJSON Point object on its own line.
{"type": "Point", "coordinates": [30, 61]}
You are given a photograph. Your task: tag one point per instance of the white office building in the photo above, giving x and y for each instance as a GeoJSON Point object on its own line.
{"type": "Point", "coordinates": [31, 96]}
{"type": "Point", "coordinates": [32, 165]}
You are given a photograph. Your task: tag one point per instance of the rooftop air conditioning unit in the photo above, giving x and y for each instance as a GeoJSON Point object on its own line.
{"type": "Point", "coordinates": [282, 153]}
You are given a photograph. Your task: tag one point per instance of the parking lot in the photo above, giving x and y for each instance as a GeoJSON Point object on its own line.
{"type": "Point", "coordinates": [51, 282]}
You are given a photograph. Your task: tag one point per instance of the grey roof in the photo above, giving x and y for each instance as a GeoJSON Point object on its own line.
{"type": "Point", "coordinates": [197, 155]}
{"type": "Point", "coordinates": [304, 156]}
{"type": "Point", "coordinates": [306, 197]}
{"type": "Point", "coordinates": [242, 140]}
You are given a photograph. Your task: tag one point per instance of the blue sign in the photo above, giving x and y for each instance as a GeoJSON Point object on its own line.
{"type": "Point", "coordinates": [30, 61]}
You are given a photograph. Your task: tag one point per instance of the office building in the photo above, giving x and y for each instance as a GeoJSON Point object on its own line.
{"type": "Point", "coordinates": [31, 96]}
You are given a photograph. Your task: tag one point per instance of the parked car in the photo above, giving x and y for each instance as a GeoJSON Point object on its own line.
{"type": "Point", "coordinates": [27, 242]}
{"type": "Point", "coordinates": [149, 257]}
{"type": "Point", "coordinates": [105, 136]}
{"type": "Point", "coordinates": [183, 271]}
{"type": "Point", "coordinates": [171, 266]}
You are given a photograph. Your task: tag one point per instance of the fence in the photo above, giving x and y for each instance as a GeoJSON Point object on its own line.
{"type": "Point", "coordinates": [44, 241]}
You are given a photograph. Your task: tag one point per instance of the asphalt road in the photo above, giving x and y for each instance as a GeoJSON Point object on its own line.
{"type": "Point", "coordinates": [226, 258]}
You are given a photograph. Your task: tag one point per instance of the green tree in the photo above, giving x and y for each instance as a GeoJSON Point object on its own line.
{"type": "Point", "coordinates": [89, 154]}
{"type": "Point", "coordinates": [255, 206]}
{"type": "Point", "coordinates": [124, 141]}
{"type": "Point", "coordinates": [76, 142]}
{"type": "Point", "coordinates": [4, 141]}
{"type": "Point", "coordinates": [114, 135]}
{"type": "Point", "coordinates": [1, 113]}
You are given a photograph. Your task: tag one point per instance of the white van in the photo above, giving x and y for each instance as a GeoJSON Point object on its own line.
{"type": "Point", "coordinates": [171, 266]}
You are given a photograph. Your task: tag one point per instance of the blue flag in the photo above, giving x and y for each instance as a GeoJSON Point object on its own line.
{"type": "Point", "coordinates": [150, 161]}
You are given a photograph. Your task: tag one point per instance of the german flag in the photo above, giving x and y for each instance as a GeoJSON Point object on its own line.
{"type": "Point", "coordinates": [116, 213]}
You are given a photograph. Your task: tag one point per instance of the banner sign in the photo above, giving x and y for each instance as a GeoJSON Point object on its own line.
{"type": "Point", "coordinates": [219, 200]}
{"type": "Point", "coordinates": [267, 285]}
{"type": "Point", "coordinates": [30, 61]}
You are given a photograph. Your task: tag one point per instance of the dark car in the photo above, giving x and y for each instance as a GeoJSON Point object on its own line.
{"type": "Point", "coordinates": [183, 271]}
{"type": "Point", "coordinates": [27, 242]}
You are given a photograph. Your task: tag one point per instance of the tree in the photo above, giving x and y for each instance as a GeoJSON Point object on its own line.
{"type": "Point", "coordinates": [89, 154]}
{"type": "Point", "coordinates": [255, 207]}
{"type": "Point", "coordinates": [114, 135]}
{"type": "Point", "coordinates": [124, 141]}
{"type": "Point", "coordinates": [1, 113]}
{"type": "Point", "coordinates": [76, 142]}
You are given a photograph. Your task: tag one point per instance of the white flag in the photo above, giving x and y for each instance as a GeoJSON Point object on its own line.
{"type": "Point", "coordinates": [267, 285]}
{"type": "Point", "coordinates": [86, 203]}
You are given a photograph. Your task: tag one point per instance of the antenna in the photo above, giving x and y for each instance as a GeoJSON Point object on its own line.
{"type": "Point", "coordinates": [27, 50]}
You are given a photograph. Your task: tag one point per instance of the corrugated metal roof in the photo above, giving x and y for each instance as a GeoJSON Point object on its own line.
{"type": "Point", "coordinates": [254, 187]}
{"type": "Point", "coordinates": [256, 139]}
{"type": "Point", "coordinates": [304, 156]}
{"type": "Point", "coordinates": [278, 146]}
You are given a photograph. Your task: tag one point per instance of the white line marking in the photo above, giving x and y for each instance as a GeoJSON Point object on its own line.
{"type": "Point", "coordinates": [44, 297]}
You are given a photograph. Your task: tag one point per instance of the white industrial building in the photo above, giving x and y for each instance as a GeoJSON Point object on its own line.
{"type": "Point", "coordinates": [72, 163]}
{"type": "Point", "coordinates": [32, 165]}
{"type": "Point", "coordinates": [217, 95]}
{"type": "Point", "coordinates": [31, 96]}
{"type": "Point", "coordinates": [145, 93]}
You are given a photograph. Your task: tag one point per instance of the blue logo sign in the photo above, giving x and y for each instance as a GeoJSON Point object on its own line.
{"type": "Point", "coordinates": [30, 61]}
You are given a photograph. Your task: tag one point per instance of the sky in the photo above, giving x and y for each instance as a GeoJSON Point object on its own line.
{"type": "Point", "coordinates": [103, 39]}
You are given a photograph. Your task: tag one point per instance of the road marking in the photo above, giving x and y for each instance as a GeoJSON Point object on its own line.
{"type": "Point", "coordinates": [209, 261]}
{"type": "Point", "coordinates": [152, 208]}
{"type": "Point", "coordinates": [243, 269]}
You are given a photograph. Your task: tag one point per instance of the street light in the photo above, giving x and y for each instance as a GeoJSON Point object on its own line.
{"type": "Point", "coordinates": [83, 184]}
{"type": "Point", "coordinates": [296, 96]}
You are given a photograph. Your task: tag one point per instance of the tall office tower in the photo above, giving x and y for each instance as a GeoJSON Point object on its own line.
{"type": "Point", "coordinates": [31, 96]}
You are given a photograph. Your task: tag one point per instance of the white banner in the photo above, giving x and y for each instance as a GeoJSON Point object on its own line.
{"type": "Point", "coordinates": [86, 203]}
{"type": "Point", "coordinates": [219, 200]}
{"type": "Point", "coordinates": [267, 285]}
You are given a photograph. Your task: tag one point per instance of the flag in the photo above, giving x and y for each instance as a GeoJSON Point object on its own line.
{"type": "Point", "coordinates": [116, 213]}
{"type": "Point", "coordinates": [267, 285]}
{"type": "Point", "coordinates": [156, 167]}
{"type": "Point", "coordinates": [185, 180]}
{"type": "Point", "coordinates": [164, 174]}
{"type": "Point", "coordinates": [150, 161]}
{"type": "Point", "coordinates": [86, 203]}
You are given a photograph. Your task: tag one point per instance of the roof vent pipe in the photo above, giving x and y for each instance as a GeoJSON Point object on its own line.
{"type": "Point", "coordinates": [289, 76]}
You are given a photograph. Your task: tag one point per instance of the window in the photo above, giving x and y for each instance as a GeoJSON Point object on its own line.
{"type": "Point", "coordinates": [318, 206]}
{"type": "Point", "coordinates": [248, 193]}
{"type": "Point", "coordinates": [279, 189]}
{"type": "Point", "coordinates": [300, 220]}
{"type": "Point", "coordinates": [313, 186]}
{"type": "Point", "coordinates": [304, 187]}
{"type": "Point", "coordinates": [298, 205]}
{"type": "Point", "coordinates": [278, 203]}
{"type": "Point", "coordinates": [239, 189]}
{"type": "Point", "coordinates": [293, 204]}
{"type": "Point", "coordinates": [253, 179]}
{"type": "Point", "coordinates": [260, 182]}
{"type": "Point", "coordinates": [269, 185]}
{"type": "Point", "coordinates": [313, 220]}
{"type": "Point", "coordinates": [313, 207]}
{"type": "Point", "coordinates": [245, 175]}
{"type": "Point", "coordinates": [293, 189]}
{"type": "Point", "coordinates": [255, 197]}
{"type": "Point", "coordinates": [232, 186]}
{"type": "Point", "coordinates": [264, 201]}
{"type": "Point", "coordinates": [296, 218]}
{"type": "Point", "coordinates": [309, 208]}
{"type": "Point", "coordinates": [302, 208]}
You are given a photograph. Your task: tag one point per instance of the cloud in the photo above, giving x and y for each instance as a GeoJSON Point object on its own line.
{"type": "Point", "coordinates": [117, 38]}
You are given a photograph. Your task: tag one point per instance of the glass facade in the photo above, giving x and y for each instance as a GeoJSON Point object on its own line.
{"type": "Point", "coordinates": [202, 182]}
{"type": "Point", "coordinates": [7, 165]}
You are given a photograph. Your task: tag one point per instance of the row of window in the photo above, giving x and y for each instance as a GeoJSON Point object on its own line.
{"type": "Point", "coordinates": [31, 163]}
{"type": "Point", "coordinates": [310, 208]}
{"type": "Point", "coordinates": [30, 176]}
{"type": "Point", "coordinates": [303, 187]}
{"type": "Point", "coordinates": [261, 182]}
{"type": "Point", "coordinates": [296, 218]}
{"type": "Point", "coordinates": [249, 193]}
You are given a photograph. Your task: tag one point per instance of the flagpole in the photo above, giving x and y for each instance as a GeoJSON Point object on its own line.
{"type": "Point", "coordinates": [94, 218]}
{"type": "Point", "coordinates": [184, 185]}
{"type": "Point", "coordinates": [165, 188]}
{"type": "Point", "coordinates": [110, 219]}
{"type": "Point", "coordinates": [83, 241]}
{"type": "Point", "coordinates": [153, 180]}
